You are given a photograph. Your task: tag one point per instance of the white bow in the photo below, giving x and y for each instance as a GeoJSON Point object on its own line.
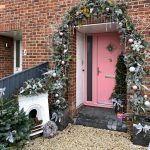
{"type": "Point", "coordinates": [139, 127]}
{"type": "Point", "coordinates": [2, 92]}
{"type": "Point", "coordinates": [10, 137]}
{"type": "Point", "coordinates": [146, 128]}
{"type": "Point", "coordinates": [116, 103]}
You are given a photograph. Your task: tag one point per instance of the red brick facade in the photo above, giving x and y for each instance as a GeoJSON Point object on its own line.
{"type": "Point", "coordinates": [6, 56]}
{"type": "Point", "coordinates": [38, 19]}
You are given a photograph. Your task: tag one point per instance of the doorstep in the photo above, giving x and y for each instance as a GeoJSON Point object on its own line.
{"type": "Point", "coordinates": [102, 118]}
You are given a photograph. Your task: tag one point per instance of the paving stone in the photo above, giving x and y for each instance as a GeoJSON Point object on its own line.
{"type": "Point", "coordinates": [124, 127]}
{"type": "Point", "coordinates": [110, 122]}
{"type": "Point", "coordinates": [115, 123]}
{"type": "Point", "coordinates": [109, 126]}
{"type": "Point", "coordinates": [114, 127]}
{"type": "Point", "coordinates": [99, 118]}
{"type": "Point", "coordinates": [119, 123]}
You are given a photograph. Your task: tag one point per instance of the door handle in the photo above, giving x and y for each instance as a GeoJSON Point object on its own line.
{"type": "Point", "coordinates": [98, 71]}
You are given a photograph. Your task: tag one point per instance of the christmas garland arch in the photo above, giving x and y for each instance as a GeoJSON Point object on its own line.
{"type": "Point", "coordinates": [135, 58]}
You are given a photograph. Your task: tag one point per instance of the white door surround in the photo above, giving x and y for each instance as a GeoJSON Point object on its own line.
{"type": "Point", "coordinates": [79, 69]}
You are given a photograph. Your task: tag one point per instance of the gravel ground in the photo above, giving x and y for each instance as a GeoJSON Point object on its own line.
{"type": "Point", "coordinates": [76, 137]}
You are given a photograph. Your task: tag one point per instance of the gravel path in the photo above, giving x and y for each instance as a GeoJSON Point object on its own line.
{"type": "Point", "coordinates": [76, 137]}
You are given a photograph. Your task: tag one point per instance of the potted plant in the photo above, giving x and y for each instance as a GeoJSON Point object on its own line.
{"type": "Point", "coordinates": [58, 106]}
{"type": "Point", "coordinates": [141, 131]}
{"type": "Point", "coordinates": [15, 126]}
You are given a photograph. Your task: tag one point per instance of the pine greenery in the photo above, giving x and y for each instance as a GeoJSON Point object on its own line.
{"type": "Point", "coordinates": [14, 126]}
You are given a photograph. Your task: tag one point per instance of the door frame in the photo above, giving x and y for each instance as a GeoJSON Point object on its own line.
{"type": "Point", "coordinates": [95, 56]}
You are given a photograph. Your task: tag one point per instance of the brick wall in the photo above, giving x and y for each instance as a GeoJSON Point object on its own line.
{"type": "Point", "coordinates": [37, 20]}
{"type": "Point", "coordinates": [6, 56]}
{"type": "Point", "coordinates": [139, 11]}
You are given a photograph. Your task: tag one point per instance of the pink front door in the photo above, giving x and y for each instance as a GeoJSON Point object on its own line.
{"type": "Point", "coordinates": [103, 67]}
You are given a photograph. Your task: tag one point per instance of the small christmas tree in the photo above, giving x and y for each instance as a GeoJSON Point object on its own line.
{"type": "Point", "coordinates": [119, 93]}
{"type": "Point", "coordinates": [14, 125]}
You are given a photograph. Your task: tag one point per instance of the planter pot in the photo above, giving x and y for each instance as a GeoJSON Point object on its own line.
{"type": "Point", "coordinates": [141, 138]}
{"type": "Point", "coordinates": [38, 103]}
{"type": "Point", "coordinates": [64, 120]}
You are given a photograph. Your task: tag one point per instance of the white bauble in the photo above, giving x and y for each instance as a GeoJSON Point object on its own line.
{"type": "Point", "coordinates": [77, 13]}
{"type": "Point", "coordinates": [56, 95]}
{"type": "Point", "coordinates": [91, 10]}
{"type": "Point", "coordinates": [65, 50]}
{"type": "Point", "coordinates": [130, 40]}
{"type": "Point", "coordinates": [62, 62]}
{"type": "Point", "coordinates": [134, 87]}
{"type": "Point", "coordinates": [61, 33]}
{"type": "Point", "coordinates": [65, 46]}
{"type": "Point", "coordinates": [132, 69]}
{"type": "Point", "coordinates": [145, 96]}
{"type": "Point", "coordinates": [147, 103]}
{"type": "Point", "coordinates": [58, 101]}
{"type": "Point", "coordinates": [66, 26]}
{"type": "Point", "coordinates": [107, 9]}
{"type": "Point", "coordinates": [120, 24]}
{"type": "Point", "coordinates": [54, 74]}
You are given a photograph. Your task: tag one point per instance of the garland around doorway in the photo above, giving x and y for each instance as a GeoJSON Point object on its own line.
{"type": "Point", "coordinates": [135, 56]}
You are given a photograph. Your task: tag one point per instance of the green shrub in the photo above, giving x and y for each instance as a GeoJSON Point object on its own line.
{"type": "Point", "coordinates": [14, 125]}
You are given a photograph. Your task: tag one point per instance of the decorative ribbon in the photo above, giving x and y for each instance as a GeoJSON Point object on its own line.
{"type": "Point", "coordinates": [2, 92]}
{"type": "Point", "coordinates": [10, 137]}
{"type": "Point", "coordinates": [54, 116]}
{"type": "Point", "coordinates": [117, 103]}
{"type": "Point", "coordinates": [145, 87]}
{"type": "Point", "coordinates": [141, 128]}
{"type": "Point", "coordinates": [49, 72]}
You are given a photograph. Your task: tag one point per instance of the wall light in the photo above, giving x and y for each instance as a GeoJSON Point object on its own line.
{"type": "Point", "coordinates": [6, 45]}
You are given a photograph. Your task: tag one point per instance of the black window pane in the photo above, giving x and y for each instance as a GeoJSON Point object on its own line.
{"type": "Point", "coordinates": [89, 68]}
{"type": "Point", "coordinates": [18, 53]}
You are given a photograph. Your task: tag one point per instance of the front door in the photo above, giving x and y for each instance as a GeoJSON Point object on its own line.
{"type": "Point", "coordinates": [105, 49]}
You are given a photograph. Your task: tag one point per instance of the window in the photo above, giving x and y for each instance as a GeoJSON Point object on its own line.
{"type": "Point", "coordinates": [89, 67]}
{"type": "Point", "coordinates": [17, 56]}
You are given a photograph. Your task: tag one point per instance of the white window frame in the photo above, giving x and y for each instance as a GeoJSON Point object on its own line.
{"type": "Point", "coordinates": [17, 69]}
